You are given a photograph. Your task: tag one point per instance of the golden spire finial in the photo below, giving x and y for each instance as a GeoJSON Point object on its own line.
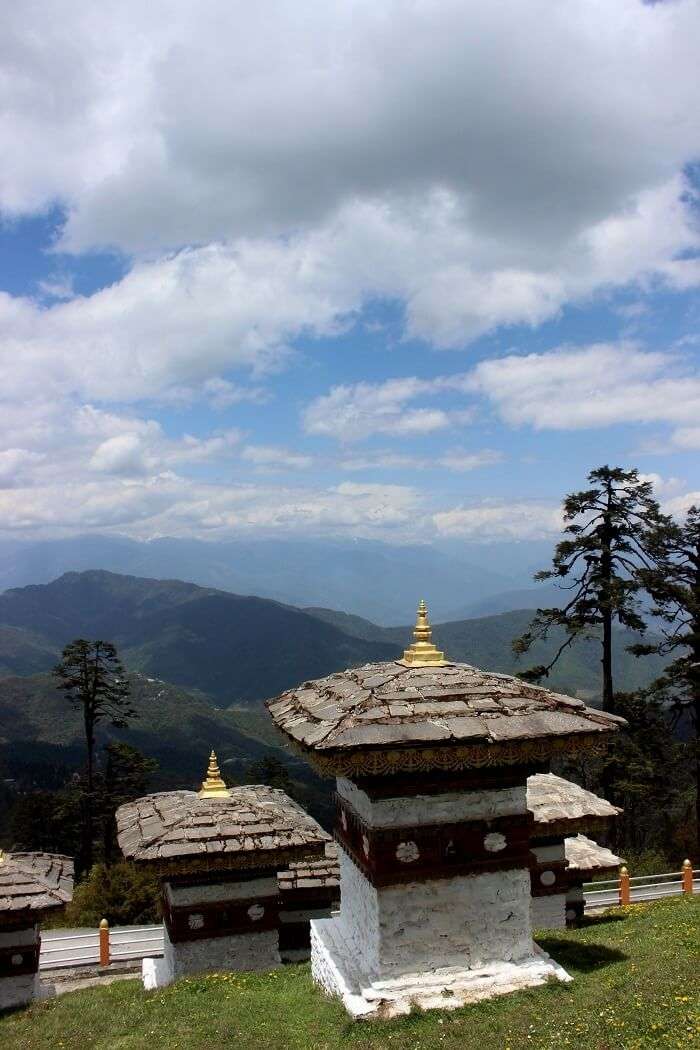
{"type": "Point", "coordinates": [422, 651]}
{"type": "Point", "coordinates": [213, 786]}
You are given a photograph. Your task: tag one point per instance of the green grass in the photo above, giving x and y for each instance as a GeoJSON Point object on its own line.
{"type": "Point", "coordinates": [635, 986]}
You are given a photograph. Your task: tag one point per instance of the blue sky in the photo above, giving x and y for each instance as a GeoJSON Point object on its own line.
{"type": "Point", "coordinates": [404, 272]}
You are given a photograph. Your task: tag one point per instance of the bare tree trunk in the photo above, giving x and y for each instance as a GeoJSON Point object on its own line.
{"type": "Point", "coordinates": [88, 827]}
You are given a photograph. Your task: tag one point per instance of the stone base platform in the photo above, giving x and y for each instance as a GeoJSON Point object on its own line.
{"type": "Point", "coordinates": [446, 988]}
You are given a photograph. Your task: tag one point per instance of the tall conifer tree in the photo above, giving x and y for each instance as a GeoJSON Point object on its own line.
{"type": "Point", "coordinates": [92, 677]}
{"type": "Point", "coordinates": [673, 580]}
{"type": "Point", "coordinates": [599, 563]}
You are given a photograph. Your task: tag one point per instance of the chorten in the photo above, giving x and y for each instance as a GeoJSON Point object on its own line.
{"type": "Point", "coordinates": [560, 810]}
{"type": "Point", "coordinates": [585, 859]}
{"type": "Point", "coordinates": [31, 884]}
{"type": "Point", "coordinates": [217, 852]}
{"type": "Point", "coordinates": [431, 759]}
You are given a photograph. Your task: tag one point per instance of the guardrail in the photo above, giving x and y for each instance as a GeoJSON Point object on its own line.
{"type": "Point", "coordinates": [634, 889]}
{"type": "Point", "coordinates": [99, 947]}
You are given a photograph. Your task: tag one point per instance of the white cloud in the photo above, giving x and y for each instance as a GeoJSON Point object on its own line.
{"type": "Point", "coordinates": [271, 457]}
{"type": "Point", "coordinates": [356, 412]}
{"type": "Point", "coordinates": [501, 520]}
{"type": "Point", "coordinates": [592, 386]}
{"type": "Point", "coordinates": [13, 464]}
{"type": "Point", "coordinates": [123, 454]}
{"type": "Point", "coordinates": [297, 113]}
{"type": "Point", "coordinates": [460, 460]}
{"type": "Point", "coordinates": [306, 191]}
{"type": "Point", "coordinates": [454, 459]}
{"type": "Point", "coordinates": [663, 487]}
{"type": "Point", "coordinates": [679, 505]}
{"type": "Point", "coordinates": [167, 504]}
{"type": "Point", "coordinates": [687, 437]}
{"type": "Point", "coordinates": [47, 441]}
{"type": "Point", "coordinates": [221, 393]}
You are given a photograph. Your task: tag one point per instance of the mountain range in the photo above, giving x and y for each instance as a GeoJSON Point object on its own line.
{"type": "Point", "coordinates": [237, 651]}
{"type": "Point", "coordinates": [202, 660]}
{"type": "Point", "coordinates": [372, 579]}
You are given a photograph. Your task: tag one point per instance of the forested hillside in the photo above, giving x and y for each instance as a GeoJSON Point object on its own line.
{"type": "Point", "coordinates": [238, 650]}
{"type": "Point", "coordinates": [235, 649]}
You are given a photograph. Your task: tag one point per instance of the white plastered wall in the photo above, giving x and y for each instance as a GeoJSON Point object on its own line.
{"type": "Point", "coordinates": [465, 921]}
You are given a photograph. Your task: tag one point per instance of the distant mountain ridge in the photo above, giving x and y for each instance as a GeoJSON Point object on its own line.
{"type": "Point", "coordinates": [240, 650]}
{"type": "Point", "coordinates": [369, 578]}
{"type": "Point", "coordinates": [486, 642]}
{"type": "Point", "coordinates": [234, 649]}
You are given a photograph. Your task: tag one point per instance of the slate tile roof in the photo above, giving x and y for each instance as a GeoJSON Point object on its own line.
{"type": "Point", "coordinates": [254, 821]}
{"type": "Point", "coordinates": [391, 705]}
{"type": "Point", "coordinates": [35, 882]}
{"type": "Point", "coordinates": [315, 874]}
{"type": "Point", "coordinates": [561, 807]}
{"type": "Point", "coordinates": [586, 856]}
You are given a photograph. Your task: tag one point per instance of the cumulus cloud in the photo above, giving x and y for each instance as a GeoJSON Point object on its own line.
{"type": "Point", "coordinates": [327, 160]}
{"type": "Point", "coordinates": [271, 457]}
{"type": "Point", "coordinates": [352, 100]}
{"type": "Point", "coordinates": [479, 165]}
{"type": "Point", "coordinates": [14, 462]}
{"type": "Point", "coordinates": [680, 505]}
{"type": "Point", "coordinates": [124, 454]}
{"type": "Point", "coordinates": [501, 520]}
{"type": "Point", "coordinates": [355, 412]}
{"type": "Point", "coordinates": [591, 386]}
{"type": "Point", "coordinates": [454, 459]}
{"type": "Point", "coordinates": [167, 504]}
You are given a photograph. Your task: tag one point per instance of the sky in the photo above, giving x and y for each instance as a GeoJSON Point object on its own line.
{"type": "Point", "coordinates": [402, 270]}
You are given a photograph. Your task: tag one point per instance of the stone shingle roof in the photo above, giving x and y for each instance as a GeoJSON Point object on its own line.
{"type": "Point", "coordinates": [35, 881]}
{"type": "Point", "coordinates": [255, 826]}
{"type": "Point", "coordinates": [392, 706]}
{"type": "Point", "coordinates": [315, 874]}
{"type": "Point", "coordinates": [586, 856]}
{"type": "Point", "coordinates": [561, 807]}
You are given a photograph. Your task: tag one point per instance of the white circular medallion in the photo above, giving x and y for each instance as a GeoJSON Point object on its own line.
{"type": "Point", "coordinates": [495, 842]}
{"type": "Point", "coordinates": [195, 921]}
{"type": "Point", "coordinates": [407, 852]}
{"type": "Point", "coordinates": [17, 960]}
{"type": "Point", "coordinates": [548, 878]}
{"type": "Point", "coordinates": [255, 912]}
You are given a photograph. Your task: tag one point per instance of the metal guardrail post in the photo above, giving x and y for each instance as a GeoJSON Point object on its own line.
{"type": "Point", "coordinates": [104, 943]}
{"type": "Point", "coordinates": [687, 877]}
{"type": "Point", "coordinates": [624, 893]}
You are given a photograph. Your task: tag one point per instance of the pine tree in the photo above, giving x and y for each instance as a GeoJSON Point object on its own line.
{"type": "Point", "coordinates": [673, 580]}
{"type": "Point", "coordinates": [127, 774]}
{"type": "Point", "coordinates": [92, 677]}
{"type": "Point", "coordinates": [269, 770]}
{"type": "Point", "coordinates": [599, 562]}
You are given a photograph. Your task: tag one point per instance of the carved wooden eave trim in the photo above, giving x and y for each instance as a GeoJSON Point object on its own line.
{"type": "Point", "coordinates": [222, 863]}
{"type": "Point", "coordinates": [387, 762]}
{"type": "Point", "coordinates": [593, 824]}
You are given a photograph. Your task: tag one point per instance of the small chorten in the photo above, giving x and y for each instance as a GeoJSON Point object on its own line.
{"type": "Point", "coordinates": [213, 786]}
{"type": "Point", "coordinates": [31, 884]}
{"type": "Point", "coordinates": [561, 809]}
{"type": "Point", "coordinates": [431, 759]}
{"type": "Point", "coordinates": [217, 853]}
{"type": "Point", "coordinates": [422, 651]}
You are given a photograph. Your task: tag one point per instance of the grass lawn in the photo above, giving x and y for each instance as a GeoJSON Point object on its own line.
{"type": "Point", "coordinates": [636, 985]}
